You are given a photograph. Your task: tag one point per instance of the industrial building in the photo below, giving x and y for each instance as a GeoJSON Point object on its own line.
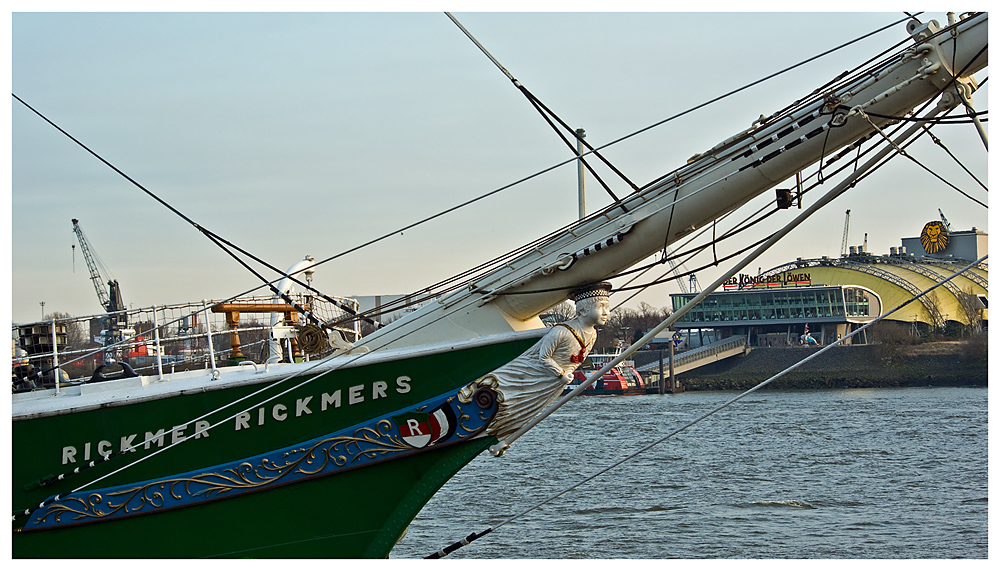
{"type": "Point", "coordinates": [819, 300]}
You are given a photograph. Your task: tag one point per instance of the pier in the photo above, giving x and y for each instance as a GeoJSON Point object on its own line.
{"type": "Point", "coordinates": [665, 368]}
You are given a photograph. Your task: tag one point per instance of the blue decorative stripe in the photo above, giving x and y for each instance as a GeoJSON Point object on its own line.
{"type": "Point", "coordinates": [362, 444]}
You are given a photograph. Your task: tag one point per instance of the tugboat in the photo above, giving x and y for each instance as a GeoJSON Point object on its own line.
{"type": "Point", "coordinates": [622, 379]}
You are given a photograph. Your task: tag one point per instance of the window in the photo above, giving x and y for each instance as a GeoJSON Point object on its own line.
{"type": "Point", "coordinates": [856, 302]}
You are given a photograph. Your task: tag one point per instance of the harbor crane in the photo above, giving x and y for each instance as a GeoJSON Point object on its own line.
{"type": "Point", "coordinates": [693, 286]}
{"type": "Point", "coordinates": [110, 296]}
{"type": "Point", "coordinates": [843, 243]}
{"type": "Point", "coordinates": [947, 225]}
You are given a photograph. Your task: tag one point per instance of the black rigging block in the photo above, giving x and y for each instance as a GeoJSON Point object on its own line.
{"type": "Point", "coordinates": [784, 197]}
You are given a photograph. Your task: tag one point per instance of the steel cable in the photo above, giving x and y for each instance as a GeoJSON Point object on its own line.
{"type": "Point", "coordinates": [472, 537]}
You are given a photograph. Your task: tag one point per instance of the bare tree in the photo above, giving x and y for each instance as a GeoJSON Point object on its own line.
{"type": "Point", "coordinates": [933, 305]}
{"type": "Point", "coordinates": [628, 324]}
{"type": "Point", "coordinates": [76, 334]}
{"type": "Point", "coordinates": [562, 312]}
{"type": "Point", "coordinates": [649, 317]}
{"type": "Point", "coordinates": [972, 310]}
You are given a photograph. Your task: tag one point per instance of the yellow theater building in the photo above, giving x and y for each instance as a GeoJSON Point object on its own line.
{"type": "Point", "coordinates": [819, 300]}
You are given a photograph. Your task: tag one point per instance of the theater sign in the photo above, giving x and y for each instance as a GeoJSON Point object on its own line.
{"type": "Point", "coordinates": [783, 279]}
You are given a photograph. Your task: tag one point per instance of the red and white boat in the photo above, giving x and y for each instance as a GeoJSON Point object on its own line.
{"type": "Point", "coordinates": [622, 379]}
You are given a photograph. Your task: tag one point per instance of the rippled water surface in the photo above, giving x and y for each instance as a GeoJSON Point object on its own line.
{"type": "Point", "coordinates": [859, 473]}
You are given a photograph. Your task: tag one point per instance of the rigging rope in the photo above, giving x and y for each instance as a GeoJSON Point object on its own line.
{"type": "Point", "coordinates": [841, 78]}
{"type": "Point", "coordinates": [939, 177]}
{"type": "Point", "coordinates": [918, 163]}
{"type": "Point", "coordinates": [953, 120]}
{"type": "Point", "coordinates": [219, 241]}
{"type": "Point", "coordinates": [924, 121]}
{"type": "Point", "coordinates": [649, 127]}
{"type": "Point", "coordinates": [299, 373]}
{"type": "Point", "coordinates": [529, 177]}
{"type": "Point", "coordinates": [732, 232]}
{"type": "Point", "coordinates": [839, 189]}
{"type": "Point", "coordinates": [743, 225]}
{"type": "Point", "coordinates": [351, 359]}
{"type": "Point", "coordinates": [938, 142]}
{"type": "Point", "coordinates": [472, 537]}
{"type": "Point", "coordinates": [546, 113]}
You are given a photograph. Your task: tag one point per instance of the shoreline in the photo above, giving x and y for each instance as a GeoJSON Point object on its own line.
{"type": "Point", "coordinates": [942, 363]}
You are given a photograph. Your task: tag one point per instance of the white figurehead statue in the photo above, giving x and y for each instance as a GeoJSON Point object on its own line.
{"type": "Point", "coordinates": [532, 381]}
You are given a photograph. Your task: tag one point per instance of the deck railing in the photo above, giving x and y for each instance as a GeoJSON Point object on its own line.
{"type": "Point", "coordinates": [169, 338]}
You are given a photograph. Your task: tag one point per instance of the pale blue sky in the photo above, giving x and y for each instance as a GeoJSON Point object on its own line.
{"type": "Point", "coordinates": [309, 133]}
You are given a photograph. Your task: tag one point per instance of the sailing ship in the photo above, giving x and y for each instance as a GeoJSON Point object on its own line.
{"type": "Point", "coordinates": [335, 457]}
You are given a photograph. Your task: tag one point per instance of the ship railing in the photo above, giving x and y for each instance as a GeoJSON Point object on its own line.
{"type": "Point", "coordinates": [70, 350]}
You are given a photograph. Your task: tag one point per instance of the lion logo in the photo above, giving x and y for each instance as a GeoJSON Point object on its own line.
{"type": "Point", "coordinates": [934, 237]}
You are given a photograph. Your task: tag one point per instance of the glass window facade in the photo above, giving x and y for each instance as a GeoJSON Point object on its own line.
{"type": "Point", "coordinates": [857, 302]}
{"type": "Point", "coordinates": [836, 303]}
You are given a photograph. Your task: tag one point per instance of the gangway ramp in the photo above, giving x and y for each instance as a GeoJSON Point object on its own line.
{"type": "Point", "coordinates": [704, 355]}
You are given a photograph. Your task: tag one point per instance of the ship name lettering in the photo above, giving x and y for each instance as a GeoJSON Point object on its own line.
{"type": "Point", "coordinates": [104, 448]}
{"type": "Point", "coordinates": [126, 444]}
{"type": "Point", "coordinates": [354, 394]}
{"type": "Point", "coordinates": [201, 428]}
{"type": "Point", "coordinates": [242, 419]}
{"type": "Point", "coordinates": [151, 438]}
{"type": "Point", "coordinates": [334, 399]}
{"type": "Point", "coordinates": [302, 406]}
{"type": "Point", "coordinates": [177, 434]}
{"type": "Point", "coordinates": [279, 412]}
{"type": "Point", "coordinates": [403, 385]}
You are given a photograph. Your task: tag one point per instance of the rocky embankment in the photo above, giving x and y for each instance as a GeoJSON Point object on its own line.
{"type": "Point", "coordinates": [946, 363]}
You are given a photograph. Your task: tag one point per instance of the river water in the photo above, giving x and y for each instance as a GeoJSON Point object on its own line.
{"type": "Point", "coordinates": [856, 473]}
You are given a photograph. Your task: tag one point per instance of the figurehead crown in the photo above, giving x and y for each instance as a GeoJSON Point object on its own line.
{"type": "Point", "coordinates": [602, 289]}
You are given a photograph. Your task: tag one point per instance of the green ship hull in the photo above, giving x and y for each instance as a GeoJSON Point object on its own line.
{"type": "Point", "coordinates": [353, 513]}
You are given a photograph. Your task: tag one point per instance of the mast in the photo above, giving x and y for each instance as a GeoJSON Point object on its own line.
{"type": "Point", "coordinates": [581, 187]}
